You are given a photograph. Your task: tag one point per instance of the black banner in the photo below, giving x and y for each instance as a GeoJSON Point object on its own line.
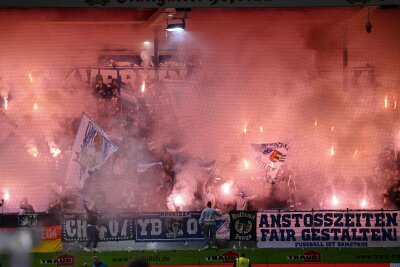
{"type": "Point", "coordinates": [243, 225]}
{"type": "Point", "coordinates": [29, 220]}
{"type": "Point", "coordinates": [112, 227]}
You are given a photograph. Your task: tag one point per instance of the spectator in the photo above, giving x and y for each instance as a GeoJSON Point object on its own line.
{"type": "Point", "coordinates": [97, 262]}
{"type": "Point", "coordinates": [101, 89]}
{"type": "Point", "coordinates": [242, 261]}
{"type": "Point", "coordinates": [114, 91]}
{"type": "Point", "coordinates": [242, 201]}
{"type": "Point", "coordinates": [207, 219]}
{"type": "Point", "coordinates": [209, 195]}
{"type": "Point", "coordinates": [139, 262]}
{"type": "Point", "coordinates": [92, 228]}
{"type": "Point", "coordinates": [25, 207]}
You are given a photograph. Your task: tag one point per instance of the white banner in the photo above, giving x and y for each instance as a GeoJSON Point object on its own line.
{"type": "Point", "coordinates": [90, 151]}
{"type": "Point", "coordinates": [271, 156]}
{"type": "Point", "coordinates": [305, 229]}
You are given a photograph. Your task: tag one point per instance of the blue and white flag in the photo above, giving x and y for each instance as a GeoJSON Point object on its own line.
{"type": "Point", "coordinates": [271, 156]}
{"type": "Point", "coordinates": [90, 151]}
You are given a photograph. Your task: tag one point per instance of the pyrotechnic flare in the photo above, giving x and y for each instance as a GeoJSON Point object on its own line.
{"type": "Point", "coordinates": [143, 87]}
{"type": "Point", "coordinates": [30, 77]}
{"type": "Point", "coordinates": [54, 149]}
{"type": "Point", "coordinates": [355, 153]}
{"type": "Point", "coordinates": [261, 129]}
{"type": "Point", "coordinates": [6, 195]}
{"type": "Point", "coordinates": [178, 200]}
{"type": "Point", "coordinates": [386, 102]}
{"type": "Point", "coordinates": [33, 151]}
{"type": "Point", "coordinates": [335, 200]}
{"type": "Point", "coordinates": [395, 105]}
{"type": "Point", "coordinates": [246, 164]}
{"type": "Point", "coordinates": [364, 203]}
{"type": "Point", "coordinates": [333, 128]}
{"type": "Point", "coordinates": [315, 123]}
{"type": "Point", "coordinates": [226, 187]}
{"type": "Point", "coordinates": [6, 103]}
{"type": "Point", "coordinates": [332, 151]}
{"type": "Point", "coordinates": [245, 129]}
{"type": "Point", "coordinates": [35, 106]}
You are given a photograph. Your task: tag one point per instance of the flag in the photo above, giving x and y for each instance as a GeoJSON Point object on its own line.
{"type": "Point", "coordinates": [90, 151]}
{"type": "Point", "coordinates": [271, 156]}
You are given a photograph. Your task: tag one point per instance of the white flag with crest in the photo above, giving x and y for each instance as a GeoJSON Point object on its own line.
{"type": "Point", "coordinates": [270, 156]}
{"type": "Point", "coordinates": [90, 151]}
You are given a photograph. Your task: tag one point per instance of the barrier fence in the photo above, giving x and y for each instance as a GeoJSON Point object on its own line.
{"type": "Point", "coordinates": [268, 229]}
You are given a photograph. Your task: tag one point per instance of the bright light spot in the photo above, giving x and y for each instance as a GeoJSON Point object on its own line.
{"type": "Point", "coordinates": [55, 150]}
{"type": "Point", "coordinates": [6, 103]}
{"type": "Point", "coordinates": [395, 105]}
{"type": "Point", "coordinates": [245, 129]}
{"type": "Point", "coordinates": [386, 102]}
{"type": "Point", "coordinates": [355, 152]}
{"type": "Point", "coordinates": [364, 203]}
{"type": "Point", "coordinates": [335, 200]}
{"type": "Point", "coordinates": [246, 164]}
{"type": "Point", "coordinates": [146, 42]}
{"type": "Point", "coordinates": [30, 77]}
{"type": "Point", "coordinates": [333, 128]}
{"type": "Point", "coordinates": [178, 200]}
{"type": "Point", "coordinates": [332, 151]}
{"type": "Point", "coordinates": [175, 30]}
{"type": "Point", "coordinates": [315, 123]}
{"type": "Point", "coordinates": [33, 151]}
{"type": "Point", "coordinates": [143, 87]}
{"type": "Point", "coordinates": [35, 106]}
{"type": "Point", "coordinates": [226, 187]}
{"type": "Point", "coordinates": [6, 195]}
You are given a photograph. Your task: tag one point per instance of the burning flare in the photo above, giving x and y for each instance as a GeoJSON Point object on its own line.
{"type": "Point", "coordinates": [35, 106]}
{"type": "Point", "coordinates": [333, 128]}
{"type": "Point", "coordinates": [261, 129]}
{"type": "Point", "coordinates": [355, 153]}
{"type": "Point", "coordinates": [143, 87]}
{"type": "Point", "coordinates": [245, 129]}
{"type": "Point", "coordinates": [55, 151]}
{"type": "Point", "coordinates": [6, 103]}
{"type": "Point", "coordinates": [33, 151]}
{"type": "Point", "coordinates": [332, 151]}
{"type": "Point", "coordinates": [178, 200]}
{"type": "Point", "coordinates": [386, 102]}
{"type": "Point", "coordinates": [315, 123]}
{"type": "Point", "coordinates": [335, 200]}
{"type": "Point", "coordinates": [30, 77]}
{"type": "Point", "coordinates": [246, 164]}
{"type": "Point", "coordinates": [226, 187]}
{"type": "Point", "coordinates": [395, 105]}
{"type": "Point", "coordinates": [364, 203]}
{"type": "Point", "coordinates": [6, 195]}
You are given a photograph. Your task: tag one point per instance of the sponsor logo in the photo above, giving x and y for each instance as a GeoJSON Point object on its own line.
{"type": "Point", "coordinates": [308, 256]}
{"type": "Point", "coordinates": [62, 260]}
{"type": "Point", "coordinates": [227, 257]}
{"type": "Point", "coordinates": [27, 219]}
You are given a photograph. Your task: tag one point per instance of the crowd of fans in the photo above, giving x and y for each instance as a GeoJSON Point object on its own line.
{"type": "Point", "coordinates": [138, 121]}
